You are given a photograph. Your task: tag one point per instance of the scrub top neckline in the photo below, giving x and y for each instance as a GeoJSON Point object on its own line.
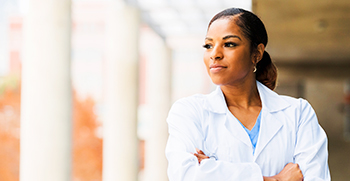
{"type": "Point", "coordinates": [255, 125]}
{"type": "Point", "coordinates": [254, 133]}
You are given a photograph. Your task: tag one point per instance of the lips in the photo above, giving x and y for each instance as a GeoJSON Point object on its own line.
{"type": "Point", "coordinates": [215, 68]}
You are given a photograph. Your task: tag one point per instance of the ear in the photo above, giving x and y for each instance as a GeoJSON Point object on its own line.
{"type": "Point", "coordinates": [259, 53]}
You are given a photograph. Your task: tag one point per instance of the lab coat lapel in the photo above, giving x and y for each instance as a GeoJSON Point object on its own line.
{"type": "Point", "coordinates": [270, 124]}
{"type": "Point", "coordinates": [269, 127]}
{"type": "Point", "coordinates": [236, 130]}
{"type": "Point", "coordinates": [216, 103]}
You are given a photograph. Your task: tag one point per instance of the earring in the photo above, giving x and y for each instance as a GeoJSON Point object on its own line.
{"type": "Point", "coordinates": [254, 69]}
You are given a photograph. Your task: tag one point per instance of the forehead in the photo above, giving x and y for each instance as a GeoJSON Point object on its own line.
{"type": "Point", "coordinates": [223, 27]}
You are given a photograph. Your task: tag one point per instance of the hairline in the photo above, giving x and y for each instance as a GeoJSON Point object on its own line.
{"type": "Point", "coordinates": [235, 18]}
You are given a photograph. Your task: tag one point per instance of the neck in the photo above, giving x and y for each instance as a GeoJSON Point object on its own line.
{"type": "Point", "coordinates": [242, 95]}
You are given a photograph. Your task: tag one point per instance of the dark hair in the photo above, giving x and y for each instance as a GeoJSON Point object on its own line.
{"type": "Point", "coordinates": [254, 30]}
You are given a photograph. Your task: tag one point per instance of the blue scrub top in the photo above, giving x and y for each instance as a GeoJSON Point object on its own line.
{"type": "Point", "coordinates": [254, 133]}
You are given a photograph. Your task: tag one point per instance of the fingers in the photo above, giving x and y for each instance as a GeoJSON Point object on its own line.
{"type": "Point", "coordinates": [199, 151]}
{"type": "Point", "coordinates": [292, 166]}
{"type": "Point", "coordinates": [291, 172]}
{"type": "Point", "coordinates": [200, 155]}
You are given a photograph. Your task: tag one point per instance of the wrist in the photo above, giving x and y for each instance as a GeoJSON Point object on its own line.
{"type": "Point", "coordinates": [270, 179]}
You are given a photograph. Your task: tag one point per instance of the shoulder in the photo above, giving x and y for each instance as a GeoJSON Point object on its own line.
{"type": "Point", "coordinates": [299, 103]}
{"type": "Point", "coordinates": [187, 113]}
{"type": "Point", "coordinates": [301, 109]}
{"type": "Point", "coordinates": [198, 107]}
{"type": "Point", "coordinates": [192, 103]}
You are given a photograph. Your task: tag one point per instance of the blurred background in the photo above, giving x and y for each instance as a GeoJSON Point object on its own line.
{"type": "Point", "coordinates": [86, 85]}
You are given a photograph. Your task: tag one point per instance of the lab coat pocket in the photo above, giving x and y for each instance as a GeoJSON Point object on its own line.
{"type": "Point", "coordinates": [219, 152]}
{"type": "Point", "coordinates": [225, 151]}
{"type": "Point", "coordinates": [210, 150]}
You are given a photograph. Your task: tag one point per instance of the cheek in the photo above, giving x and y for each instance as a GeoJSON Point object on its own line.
{"type": "Point", "coordinates": [246, 60]}
{"type": "Point", "coordinates": [206, 60]}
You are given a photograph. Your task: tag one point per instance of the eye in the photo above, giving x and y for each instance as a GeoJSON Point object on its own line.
{"type": "Point", "coordinates": [230, 44]}
{"type": "Point", "coordinates": [207, 46]}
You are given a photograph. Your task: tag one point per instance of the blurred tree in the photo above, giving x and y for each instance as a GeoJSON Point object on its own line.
{"type": "Point", "coordinates": [87, 147]}
{"type": "Point", "coordinates": [9, 128]}
{"type": "Point", "coordinates": [87, 156]}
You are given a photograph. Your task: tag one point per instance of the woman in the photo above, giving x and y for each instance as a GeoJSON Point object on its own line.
{"type": "Point", "coordinates": [243, 130]}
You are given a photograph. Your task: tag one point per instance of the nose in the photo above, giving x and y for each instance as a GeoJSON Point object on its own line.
{"type": "Point", "coordinates": [216, 53]}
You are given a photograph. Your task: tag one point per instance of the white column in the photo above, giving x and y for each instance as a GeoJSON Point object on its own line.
{"type": "Point", "coordinates": [158, 99]}
{"type": "Point", "coordinates": [120, 143]}
{"type": "Point", "coordinates": [46, 102]}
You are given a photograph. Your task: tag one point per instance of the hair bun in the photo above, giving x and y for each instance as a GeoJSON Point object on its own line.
{"type": "Point", "coordinates": [266, 71]}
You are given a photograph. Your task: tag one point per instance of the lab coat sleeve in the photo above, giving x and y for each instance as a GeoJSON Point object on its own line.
{"type": "Point", "coordinates": [185, 135]}
{"type": "Point", "coordinates": [311, 145]}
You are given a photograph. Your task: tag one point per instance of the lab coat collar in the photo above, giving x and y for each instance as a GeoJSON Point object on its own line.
{"type": "Point", "coordinates": [270, 100]}
{"type": "Point", "coordinates": [215, 101]}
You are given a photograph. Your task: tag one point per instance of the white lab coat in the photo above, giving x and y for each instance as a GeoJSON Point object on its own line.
{"type": "Point", "coordinates": [289, 132]}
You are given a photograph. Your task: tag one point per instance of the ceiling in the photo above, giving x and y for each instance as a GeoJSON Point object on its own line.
{"type": "Point", "coordinates": [183, 23]}
{"type": "Point", "coordinates": [299, 31]}
{"type": "Point", "coordinates": [176, 18]}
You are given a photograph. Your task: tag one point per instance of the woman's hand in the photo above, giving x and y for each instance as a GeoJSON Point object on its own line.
{"type": "Point", "coordinates": [291, 172]}
{"type": "Point", "coordinates": [200, 155]}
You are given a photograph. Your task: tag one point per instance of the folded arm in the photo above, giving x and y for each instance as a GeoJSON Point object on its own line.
{"type": "Point", "coordinates": [311, 146]}
{"type": "Point", "coordinates": [290, 172]}
{"type": "Point", "coordinates": [185, 135]}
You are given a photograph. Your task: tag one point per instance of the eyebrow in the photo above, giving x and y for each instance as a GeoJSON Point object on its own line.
{"type": "Point", "coordinates": [231, 36]}
{"type": "Point", "coordinates": [225, 37]}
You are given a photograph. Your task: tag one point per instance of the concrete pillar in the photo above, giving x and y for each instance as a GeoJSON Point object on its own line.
{"type": "Point", "coordinates": [46, 102]}
{"type": "Point", "coordinates": [120, 143]}
{"type": "Point", "coordinates": [158, 98]}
